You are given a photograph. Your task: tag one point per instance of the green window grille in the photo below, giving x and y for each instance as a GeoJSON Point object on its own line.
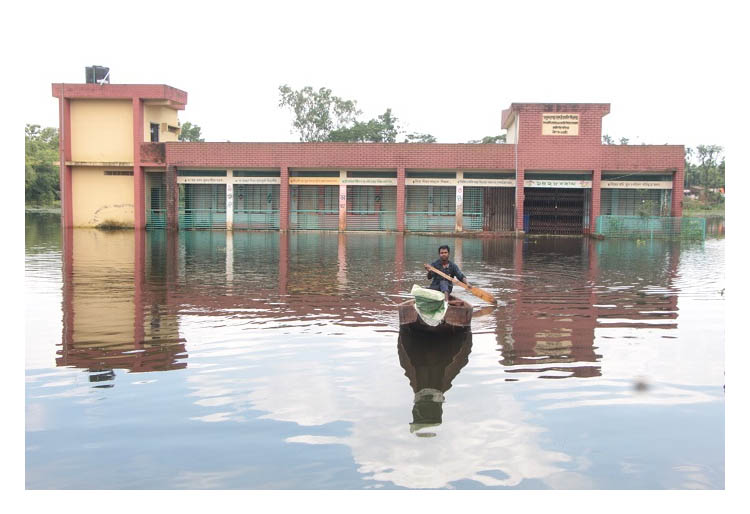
{"type": "Point", "coordinates": [651, 227]}
{"type": "Point", "coordinates": [371, 208]}
{"type": "Point", "coordinates": [314, 207]}
{"type": "Point", "coordinates": [473, 208]}
{"type": "Point", "coordinates": [430, 208]}
{"type": "Point", "coordinates": [203, 206]}
{"type": "Point", "coordinates": [256, 207]}
{"type": "Point", "coordinates": [156, 201]}
{"type": "Point", "coordinates": [636, 202]}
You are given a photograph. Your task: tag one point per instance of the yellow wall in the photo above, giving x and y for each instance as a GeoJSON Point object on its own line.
{"type": "Point", "coordinates": [104, 316]}
{"type": "Point", "coordinates": [99, 198]}
{"type": "Point", "coordinates": [159, 114]}
{"type": "Point", "coordinates": [101, 130]}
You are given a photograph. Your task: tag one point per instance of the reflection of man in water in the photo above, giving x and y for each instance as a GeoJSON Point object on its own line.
{"type": "Point", "coordinates": [448, 267]}
{"type": "Point", "coordinates": [431, 365]}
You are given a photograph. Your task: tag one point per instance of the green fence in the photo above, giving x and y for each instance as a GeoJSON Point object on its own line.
{"type": "Point", "coordinates": [651, 227]}
{"type": "Point", "coordinates": [430, 208]}
{"type": "Point", "coordinates": [202, 206]}
{"type": "Point", "coordinates": [256, 206]}
{"type": "Point", "coordinates": [314, 207]}
{"type": "Point", "coordinates": [473, 208]}
{"type": "Point", "coordinates": [371, 208]}
{"type": "Point", "coordinates": [156, 201]}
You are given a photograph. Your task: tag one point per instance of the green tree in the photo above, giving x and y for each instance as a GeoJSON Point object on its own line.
{"type": "Point", "coordinates": [607, 139]}
{"type": "Point", "coordinates": [318, 113]}
{"type": "Point", "coordinates": [624, 140]}
{"type": "Point", "coordinates": [190, 133]}
{"type": "Point", "coordinates": [42, 175]}
{"type": "Point", "coordinates": [418, 137]}
{"type": "Point", "coordinates": [383, 129]}
{"type": "Point", "coordinates": [489, 140]}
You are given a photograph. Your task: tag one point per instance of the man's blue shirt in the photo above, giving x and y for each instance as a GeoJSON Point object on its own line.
{"type": "Point", "coordinates": [441, 284]}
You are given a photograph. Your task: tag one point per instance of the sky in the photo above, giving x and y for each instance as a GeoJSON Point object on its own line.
{"type": "Point", "coordinates": [444, 68]}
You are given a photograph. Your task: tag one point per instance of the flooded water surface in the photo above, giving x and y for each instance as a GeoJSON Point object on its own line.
{"type": "Point", "coordinates": [260, 360]}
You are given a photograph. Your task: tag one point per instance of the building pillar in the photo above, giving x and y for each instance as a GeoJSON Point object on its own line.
{"type": "Point", "coordinates": [342, 201]}
{"type": "Point", "coordinates": [596, 199]}
{"type": "Point", "coordinates": [400, 198]}
{"type": "Point", "coordinates": [459, 201]}
{"type": "Point", "coordinates": [519, 200]}
{"type": "Point", "coordinates": [173, 197]}
{"type": "Point", "coordinates": [678, 190]}
{"type": "Point", "coordinates": [284, 199]}
{"type": "Point", "coordinates": [230, 199]}
{"type": "Point", "coordinates": [66, 172]}
{"type": "Point", "coordinates": [139, 191]}
{"type": "Point", "coordinates": [229, 260]}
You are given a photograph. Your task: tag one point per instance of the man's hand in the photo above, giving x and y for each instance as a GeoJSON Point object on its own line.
{"type": "Point", "coordinates": [427, 267]}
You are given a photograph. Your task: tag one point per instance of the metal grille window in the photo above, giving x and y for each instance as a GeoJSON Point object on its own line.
{"type": "Point", "coordinates": [431, 208]}
{"type": "Point", "coordinates": [371, 208]}
{"type": "Point", "coordinates": [156, 196]}
{"type": "Point", "coordinates": [203, 206]}
{"type": "Point", "coordinates": [631, 202]}
{"type": "Point", "coordinates": [473, 208]}
{"type": "Point", "coordinates": [314, 207]}
{"type": "Point", "coordinates": [554, 210]}
{"type": "Point", "coordinates": [256, 206]}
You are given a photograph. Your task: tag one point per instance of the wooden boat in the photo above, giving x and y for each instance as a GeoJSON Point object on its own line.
{"type": "Point", "coordinates": [457, 317]}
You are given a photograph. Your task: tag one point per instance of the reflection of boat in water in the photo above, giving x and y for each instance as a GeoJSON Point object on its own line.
{"type": "Point", "coordinates": [457, 317]}
{"type": "Point", "coordinates": [431, 363]}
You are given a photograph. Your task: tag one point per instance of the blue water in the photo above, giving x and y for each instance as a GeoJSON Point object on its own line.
{"type": "Point", "coordinates": [269, 361]}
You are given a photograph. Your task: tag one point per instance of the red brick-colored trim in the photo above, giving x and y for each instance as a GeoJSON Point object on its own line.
{"type": "Point", "coordinates": [400, 199]}
{"type": "Point", "coordinates": [66, 171]}
{"type": "Point", "coordinates": [176, 97]}
{"type": "Point", "coordinates": [678, 190]}
{"type": "Point", "coordinates": [284, 198]}
{"type": "Point", "coordinates": [139, 179]}
{"type": "Point", "coordinates": [596, 199]}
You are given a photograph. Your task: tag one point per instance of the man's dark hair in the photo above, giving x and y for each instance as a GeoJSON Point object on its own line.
{"type": "Point", "coordinates": [446, 247]}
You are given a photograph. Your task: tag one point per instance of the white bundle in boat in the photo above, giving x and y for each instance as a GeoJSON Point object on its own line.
{"type": "Point", "coordinates": [430, 304]}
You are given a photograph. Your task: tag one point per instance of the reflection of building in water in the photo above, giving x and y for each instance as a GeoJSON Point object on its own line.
{"type": "Point", "coordinates": [431, 362]}
{"type": "Point", "coordinates": [557, 308]}
{"type": "Point", "coordinates": [115, 313]}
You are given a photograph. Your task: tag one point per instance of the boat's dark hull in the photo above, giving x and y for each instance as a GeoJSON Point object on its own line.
{"type": "Point", "coordinates": [457, 318]}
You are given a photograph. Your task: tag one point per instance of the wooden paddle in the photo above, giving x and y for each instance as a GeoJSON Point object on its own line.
{"type": "Point", "coordinates": [479, 293]}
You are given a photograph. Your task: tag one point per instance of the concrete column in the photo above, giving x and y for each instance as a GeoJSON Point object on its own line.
{"type": "Point", "coordinates": [139, 191]}
{"type": "Point", "coordinates": [284, 199]}
{"type": "Point", "coordinates": [229, 262]}
{"type": "Point", "coordinates": [173, 198]}
{"type": "Point", "coordinates": [678, 188]}
{"type": "Point", "coordinates": [66, 172]}
{"type": "Point", "coordinates": [342, 202]}
{"type": "Point", "coordinates": [230, 200]}
{"type": "Point", "coordinates": [596, 197]}
{"type": "Point", "coordinates": [459, 201]}
{"type": "Point", "coordinates": [400, 199]}
{"type": "Point", "coordinates": [519, 201]}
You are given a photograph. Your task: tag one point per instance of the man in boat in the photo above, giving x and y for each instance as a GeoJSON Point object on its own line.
{"type": "Point", "coordinates": [448, 267]}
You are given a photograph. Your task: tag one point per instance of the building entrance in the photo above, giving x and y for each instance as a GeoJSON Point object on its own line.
{"type": "Point", "coordinates": [555, 210]}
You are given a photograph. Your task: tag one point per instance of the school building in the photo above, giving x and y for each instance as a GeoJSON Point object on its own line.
{"type": "Point", "coordinates": [121, 164]}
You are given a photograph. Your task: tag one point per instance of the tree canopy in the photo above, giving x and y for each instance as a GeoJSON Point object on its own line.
{"type": "Point", "coordinates": [322, 116]}
{"type": "Point", "coordinates": [42, 175]}
{"type": "Point", "coordinates": [190, 133]}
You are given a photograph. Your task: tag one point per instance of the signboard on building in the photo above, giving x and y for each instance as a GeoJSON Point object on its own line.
{"type": "Point", "coordinates": [558, 183]}
{"type": "Point", "coordinates": [314, 181]}
{"type": "Point", "coordinates": [559, 124]}
{"type": "Point", "coordinates": [368, 181]}
{"type": "Point", "coordinates": [488, 182]}
{"type": "Point", "coordinates": [202, 180]}
{"type": "Point", "coordinates": [431, 181]}
{"type": "Point", "coordinates": [256, 180]}
{"type": "Point", "coordinates": [636, 184]}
